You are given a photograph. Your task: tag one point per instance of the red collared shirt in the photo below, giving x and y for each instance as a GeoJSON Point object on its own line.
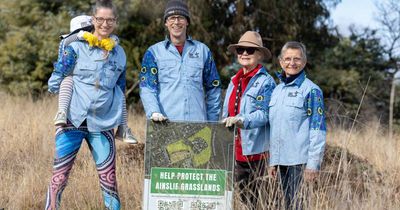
{"type": "Point", "coordinates": [245, 79]}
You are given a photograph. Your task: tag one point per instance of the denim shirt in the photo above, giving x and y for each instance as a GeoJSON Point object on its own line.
{"type": "Point", "coordinates": [98, 84]}
{"type": "Point", "coordinates": [298, 127]}
{"type": "Point", "coordinates": [60, 72]}
{"type": "Point", "coordinates": [182, 87]}
{"type": "Point", "coordinates": [254, 110]}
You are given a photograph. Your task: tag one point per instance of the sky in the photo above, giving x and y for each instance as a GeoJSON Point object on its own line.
{"type": "Point", "coordinates": [361, 13]}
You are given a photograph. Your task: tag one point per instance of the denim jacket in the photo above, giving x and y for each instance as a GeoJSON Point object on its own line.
{"type": "Point", "coordinates": [98, 84]}
{"type": "Point", "coordinates": [182, 87]}
{"type": "Point", "coordinates": [254, 110]}
{"type": "Point", "coordinates": [298, 127]}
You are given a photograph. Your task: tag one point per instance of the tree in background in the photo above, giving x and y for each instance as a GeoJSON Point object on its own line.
{"type": "Point", "coordinates": [389, 17]}
{"type": "Point", "coordinates": [29, 31]}
{"type": "Point", "coordinates": [27, 45]}
{"type": "Point", "coordinates": [343, 74]}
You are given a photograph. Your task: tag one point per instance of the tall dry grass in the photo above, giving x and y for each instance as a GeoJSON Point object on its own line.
{"type": "Point", "coordinates": [26, 157]}
{"type": "Point", "coordinates": [361, 169]}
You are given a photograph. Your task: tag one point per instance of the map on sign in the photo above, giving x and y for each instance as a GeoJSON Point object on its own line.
{"type": "Point", "coordinates": [188, 166]}
{"type": "Point", "coordinates": [188, 145]}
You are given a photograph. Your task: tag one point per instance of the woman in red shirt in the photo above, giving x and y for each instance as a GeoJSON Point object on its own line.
{"type": "Point", "coordinates": [246, 107]}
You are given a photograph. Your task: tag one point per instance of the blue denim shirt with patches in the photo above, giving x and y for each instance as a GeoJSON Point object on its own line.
{"type": "Point", "coordinates": [182, 87]}
{"type": "Point", "coordinates": [298, 127]}
{"type": "Point", "coordinates": [254, 110]}
{"type": "Point", "coordinates": [98, 84]}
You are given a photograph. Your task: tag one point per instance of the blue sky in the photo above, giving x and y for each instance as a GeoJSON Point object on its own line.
{"type": "Point", "coordinates": [361, 13]}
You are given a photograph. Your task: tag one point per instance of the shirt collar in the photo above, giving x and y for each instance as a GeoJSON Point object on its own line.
{"type": "Point", "coordinates": [300, 77]}
{"type": "Point", "coordinates": [168, 41]}
{"type": "Point", "coordinates": [259, 69]}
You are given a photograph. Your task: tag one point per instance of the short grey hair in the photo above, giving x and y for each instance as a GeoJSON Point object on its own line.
{"type": "Point", "coordinates": [294, 45]}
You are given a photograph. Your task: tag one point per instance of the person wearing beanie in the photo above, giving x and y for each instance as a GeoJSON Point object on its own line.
{"type": "Point", "coordinates": [176, 7]}
{"type": "Point", "coordinates": [179, 78]}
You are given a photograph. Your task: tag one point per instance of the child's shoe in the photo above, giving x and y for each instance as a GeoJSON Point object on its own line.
{"type": "Point", "coordinates": [60, 119]}
{"type": "Point", "coordinates": [124, 134]}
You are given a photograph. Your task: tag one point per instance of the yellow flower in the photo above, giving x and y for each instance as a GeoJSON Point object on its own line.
{"type": "Point", "coordinates": [107, 44]}
{"type": "Point", "coordinates": [91, 39]}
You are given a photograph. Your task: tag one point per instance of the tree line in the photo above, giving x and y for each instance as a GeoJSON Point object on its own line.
{"type": "Point", "coordinates": [341, 66]}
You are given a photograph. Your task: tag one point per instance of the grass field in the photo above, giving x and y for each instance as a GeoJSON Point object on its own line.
{"type": "Point", "coordinates": [361, 171]}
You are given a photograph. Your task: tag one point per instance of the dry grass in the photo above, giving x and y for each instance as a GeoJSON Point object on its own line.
{"type": "Point", "coordinates": [26, 157]}
{"type": "Point", "coordinates": [361, 171]}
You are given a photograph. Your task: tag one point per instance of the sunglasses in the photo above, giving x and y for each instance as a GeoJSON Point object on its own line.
{"type": "Point", "coordinates": [249, 50]}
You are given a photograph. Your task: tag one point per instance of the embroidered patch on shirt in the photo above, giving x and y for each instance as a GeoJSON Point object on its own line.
{"type": "Point", "coordinates": [193, 55]}
{"type": "Point", "coordinates": [293, 94]}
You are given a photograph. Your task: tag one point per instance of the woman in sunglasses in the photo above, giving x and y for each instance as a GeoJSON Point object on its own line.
{"type": "Point", "coordinates": [246, 107]}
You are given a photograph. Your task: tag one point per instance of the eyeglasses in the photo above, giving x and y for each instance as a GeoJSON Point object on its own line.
{"type": "Point", "coordinates": [289, 60]}
{"type": "Point", "coordinates": [178, 18]}
{"type": "Point", "coordinates": [109, 21]}
{"type": "Point", "coordinates": [249, 50]}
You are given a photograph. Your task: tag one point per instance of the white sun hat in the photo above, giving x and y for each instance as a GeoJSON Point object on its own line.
{"type": "Point", "coordinates": [78, 23]}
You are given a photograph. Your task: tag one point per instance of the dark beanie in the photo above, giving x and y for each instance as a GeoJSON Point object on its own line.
{"type": "Point", "coordinates": [176, 7]}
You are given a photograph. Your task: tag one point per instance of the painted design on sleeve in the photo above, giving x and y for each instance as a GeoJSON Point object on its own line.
{"type": "Point", "coordinates": [315, 110]}
{"type": "Point", "coordinates": [215, 83]}
{"type": "Point", "coordinates": [264, 97]}
{"type": "Point", "coordinates": [67, 61]}
{"type": "Point", "coordinates": [149, 72]}
{"type": "Point", "coordinates": [154, 71]}
{"type": "Point", "coordinates": [210, 76]}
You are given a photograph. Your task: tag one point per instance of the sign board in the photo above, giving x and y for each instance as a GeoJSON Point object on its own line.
{"type": "Point", "coordinates": [188, 166]}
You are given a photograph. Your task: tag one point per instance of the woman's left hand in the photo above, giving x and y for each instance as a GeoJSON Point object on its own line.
{"type": "Point", "coordinates": [310, 174]}
{"type": "Point", "coordinates": [230, 121]}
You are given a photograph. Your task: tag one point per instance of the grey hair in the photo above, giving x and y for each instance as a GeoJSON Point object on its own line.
{"type": "Point", "coordinates": [104, 4]}
{"type": "Point", "coordinates": [294, 45]}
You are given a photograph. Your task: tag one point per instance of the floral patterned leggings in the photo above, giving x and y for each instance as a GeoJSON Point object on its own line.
{"type": "Point", "coordinates": [102, 146]}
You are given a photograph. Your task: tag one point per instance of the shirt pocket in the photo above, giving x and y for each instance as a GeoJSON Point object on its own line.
{"type": "Point", "coordinates": [295, 107]}
{"type": "Point", "coordinates": [194, 70]}
{"type": "Point", "coordinates": [167, 71]}
{"type": "Point", "coordinates": [86, 72]}
{"type": "Point", "coordinates": [112, 72]}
